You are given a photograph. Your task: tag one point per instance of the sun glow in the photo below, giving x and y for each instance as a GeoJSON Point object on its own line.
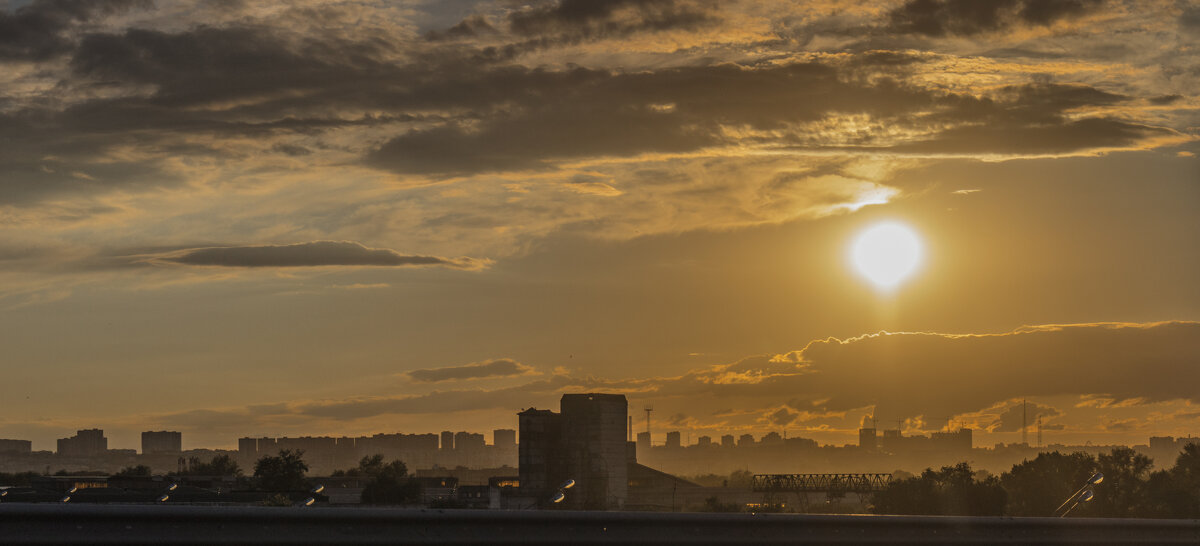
{"type": "Point", "coordinates": [886, 254]}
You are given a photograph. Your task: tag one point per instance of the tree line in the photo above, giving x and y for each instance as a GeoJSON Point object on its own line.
{"type": "Point", "coordinates": [385, 482]}
{"type": "Point", "coordinates": [1037, 487]}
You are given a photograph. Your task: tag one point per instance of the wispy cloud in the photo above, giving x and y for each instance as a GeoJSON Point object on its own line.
{"type": "Point", "coordinates": [497, 367]}
{"type": "Point", "coordinates": [314, 254]}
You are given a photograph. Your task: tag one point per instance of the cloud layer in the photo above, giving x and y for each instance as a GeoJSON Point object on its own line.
{"type": "Point", "coordinates": [922, 378]}
{"type": "Point", "coordinates": [497, 367]}
{"type": "Point", "coordinates": [313, 254]}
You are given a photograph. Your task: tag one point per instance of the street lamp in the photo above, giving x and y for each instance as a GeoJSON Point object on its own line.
{"type": "Point", "coordinates": [561, 495]}
{"type": "Point", "coordinates": [1084, 497]}
{"type": "Point", "coordinates": [312, 499]}
{"type": "Point", "coordinates": [1080, 495]}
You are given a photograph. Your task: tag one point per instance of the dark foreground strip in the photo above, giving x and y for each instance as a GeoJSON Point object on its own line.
{"type": "Point", "coordinates": [164, 524]}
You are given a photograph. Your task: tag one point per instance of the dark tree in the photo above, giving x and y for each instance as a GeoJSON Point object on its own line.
{"type": "Point", "coordinates": [284, 472]}
{"type": "Point", "coordinates": [1175, 493]}
{"type": "Point", "coordinates": [1037, 487]}
{"type": "Point", "coordinates": [389, 483]}
{"type": "Point", "coordinates": [1122, 494]}
{"type": "Point", "coordinates": [18, 479]}
{"type": "Point", "coordinates": [953, 490]}
{"type": "Point", "coordinates": [139, 470]}
{"type": "Point", "coordinates": [221, 465]}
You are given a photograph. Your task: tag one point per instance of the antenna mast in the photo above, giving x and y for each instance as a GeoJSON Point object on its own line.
{"type": "Point", "coordinates": [1024, 424]}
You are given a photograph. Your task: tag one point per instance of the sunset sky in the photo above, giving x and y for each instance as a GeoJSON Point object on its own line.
{"type": "Point", "coordinates": [239, 218]}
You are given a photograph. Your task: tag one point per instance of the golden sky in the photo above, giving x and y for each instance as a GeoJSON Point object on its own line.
{"type": "Point", "coordinates": [344, 217]}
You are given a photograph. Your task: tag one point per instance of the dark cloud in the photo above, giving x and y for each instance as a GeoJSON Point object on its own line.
{"type": "Point", "coordinates": [1030, 119]}
{"type": "Point", "coordinates": [586, 19]}
{"type": "Point", "coordinates": [1123, 361]}
{"type": "Point", "coordinates": [1121, 425]}
{"type": "Point", "coordinates": [499, 367]}
{"type": "Point", "coordinates": [1189, 20]}
{"type": "Point", "coordinates": [1165, 99]}
{"type": "Point", "coordinates": [544, 393]}
{"type": "Point", "coordinates": [37, 31]}
{"type": "Point", "coordinates": [211, 65]}
{"type": "Point", "coordinates": [314, 254]}
{"type": "Point", "coordinates": [582, 113]}
{"type": "Point", "coordinates": [1011, 419]}
{"type": "Point", "coordinates": [969, 17]}
{"type": "Point", "coordinates": [251, 80]}
{"type": "Point", "coordinates": [291, 150]}
{"type": "Point", "coordinates": [904, 375]}
{"type": "Point", "coordinates": [783, 416]}
{"type": "Point", "coordinates": [679, 419]}
{"type": "Point", "coordinates": [474, 25]}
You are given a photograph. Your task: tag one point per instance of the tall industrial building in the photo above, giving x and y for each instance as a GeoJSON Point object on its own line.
{"type": "Point", "coordinates": [162, 442]}
{"type": "Point", "coordinates": [584, 442]}
{"type": "Point", "coordinates": [85, 443]}
{"type": "Point", "coordinates": [447, 440]}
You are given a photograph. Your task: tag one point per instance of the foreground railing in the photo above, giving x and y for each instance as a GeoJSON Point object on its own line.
{"type": "Point", "coordinates": [137, 524]}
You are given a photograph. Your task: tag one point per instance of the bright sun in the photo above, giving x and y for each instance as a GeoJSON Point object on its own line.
{"type": "Point", "coordinates": [886, 254]}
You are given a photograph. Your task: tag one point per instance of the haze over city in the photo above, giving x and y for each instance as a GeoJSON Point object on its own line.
{"type": "Point", "coordinates": [342, 218]}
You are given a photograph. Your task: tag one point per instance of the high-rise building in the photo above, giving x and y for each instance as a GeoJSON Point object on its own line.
{"type": "Point", "coordinates": [85, 443]}
{"type": "Point", "coordinates": [447, 440]}
{"type": "Point", "coordinates": [867, 440]}
{"type": "Point", "coordinates": [468, 442]}
{"type": "Point", "coordinates": [585, 442]}
{"type": "Point", "coordinates": [673, 439]}
{"type": "Point", "coordinates": [959, 440]}
{"type": "Point", "coordinates": [727, 441]}
{"type": "Point", "coordinates": [704, 441]}
{"type": "Point", "coordinates": [162, 442]}
{"type": "Point", "coordinates": [504, 438]}
{"type": "Point", "coordinates": [16, 446]}
{"type": "Point", "coordinates": [540, 452]}
{"type": "Point", "coordinates": [745, 440]}
{"type": "Point", "coordinates": [643, 442]}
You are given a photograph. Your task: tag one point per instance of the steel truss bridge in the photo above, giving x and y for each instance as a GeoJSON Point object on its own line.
{"type": "Point", "coordinates": [820, 483]}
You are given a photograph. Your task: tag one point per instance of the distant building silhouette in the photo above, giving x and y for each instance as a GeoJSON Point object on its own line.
{"type": "Point", "coordinates": [867, 439]}
{"type": "Point", "coordinates": [504, 439]}
{"type": "Point", "coordinates": [643, 442]}
{"type": "Point", "coordinates": [447, 440]}
{"type": "Point", "coordinates": [746, 440]}
{"type": "Point", "coordinates": [727, 441]}
{"type": "Point", "coordinates": [162, 442]}
{"type": "Point", "coordinates": [85, 443]}
{"type": "Point", "coordinates": [16, 447]}
{"type": "Point", "coordinates": [585, 442]}
{"type": "Point", "coordinates": [673, 439]}
{"type": "Point", "coordinates": [468, 442]}
{"type": "Point", "coordinates": [326, 453]}
{"type": "Point", "coordinates": [704, 441]}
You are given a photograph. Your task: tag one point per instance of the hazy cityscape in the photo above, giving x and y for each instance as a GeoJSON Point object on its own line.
{"type": "Point", "coordinates": [550, 447]}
